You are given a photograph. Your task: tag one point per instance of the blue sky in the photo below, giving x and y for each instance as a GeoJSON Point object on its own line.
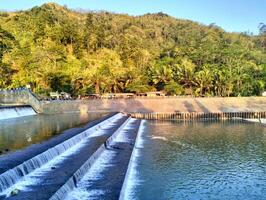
{"type": "Point", "coordinates": [232, 15]}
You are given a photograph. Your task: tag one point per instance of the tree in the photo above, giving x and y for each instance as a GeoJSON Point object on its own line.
{"type": "Point", "coordinates": [55, 48]}
{"type": "Point", "coordinates": [103, 70]}
{"type": "Point", "coordinates": [204, 81]}
{"type": "Point", "coordinates": [161, 75]}
{"type": "Point", "coordinates": [7, 42]}
{"type": "Point", "coordinates": [185, 72]}
{"type": "Point", "coordinates": [262, 37]}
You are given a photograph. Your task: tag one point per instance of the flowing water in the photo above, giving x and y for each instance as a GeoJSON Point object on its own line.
{"type": "Point", "coordinates": [21, 132]}
{"type": "Point", "coordinates": [13, 112]}
{"type": "Point", "coordinates": [25, 174]}
{"type": "Point", "coordinates": [199, 160]}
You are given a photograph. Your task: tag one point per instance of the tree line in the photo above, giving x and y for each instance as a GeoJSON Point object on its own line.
{"type": "Point", "coordinates": [53, 48]}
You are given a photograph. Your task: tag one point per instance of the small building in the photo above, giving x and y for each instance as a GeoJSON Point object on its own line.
{"type": "Point", "coordinates": [124, 95]}
{"type": "Point", "coordinates": [65, 95]}
{"type": "Point", "coordinates": [107, 96]}
{"type": "Point", "coordinates": [61, 95]}
{"type": "Point", "coordinates": [54, 95]}
{"type": "Point", "coordinates": [117, 95]}
{"type": "Point", "coordinates": [155, 94]}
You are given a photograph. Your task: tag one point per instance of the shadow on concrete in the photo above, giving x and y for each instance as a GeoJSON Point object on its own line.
{"type": "Point", "coordinates": [202, 107]}
{"type": "Point", "coordinates": [119, 105]}
{"type": "Point", "coordinates": [189, 107]}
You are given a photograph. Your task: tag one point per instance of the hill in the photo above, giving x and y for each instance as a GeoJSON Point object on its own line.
{"type": "Point", "coordinates": [54, 48]}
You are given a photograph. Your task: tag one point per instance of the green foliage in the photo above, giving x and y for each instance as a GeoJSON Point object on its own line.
{"type": "Point", "coordinates": [57, 49]}
{"type": "Point", "coordinates": [7, 42]}
{"type": "Point", "coordinates": [173, 88]}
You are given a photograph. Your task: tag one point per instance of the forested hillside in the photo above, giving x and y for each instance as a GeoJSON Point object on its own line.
{"type": "Point", "coordinates": [54, 48]}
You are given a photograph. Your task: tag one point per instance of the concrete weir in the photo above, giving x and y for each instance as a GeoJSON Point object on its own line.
{"type": "Point", "coordinates": [62, 170]}
{"type": "Point", "coordinates": [7, 112]}
{"type": "Point", "coordinates": [48, 164]}
{"type": "Point", "coordinates": [98, 175]}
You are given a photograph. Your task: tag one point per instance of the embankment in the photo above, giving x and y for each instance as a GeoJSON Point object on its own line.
{"type": "Point", "coordinates": [160, 105]}
{"type": "Point", "coordinates": [138, 105]}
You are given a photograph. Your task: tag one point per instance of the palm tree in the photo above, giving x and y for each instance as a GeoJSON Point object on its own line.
{"type": "Point", "coordinates": [161, 75]}
{"type": "Point", "coordinates": [184, 73]}
{"type": "Point", "coordinates": [204, 79]}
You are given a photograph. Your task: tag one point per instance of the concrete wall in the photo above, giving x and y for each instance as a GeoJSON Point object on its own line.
{"type": "Point", "coordinates": [160, 104]}
{"type": "Point", "coordinates": [21, 96]}
{"type": "Point", "coordinates": [233, 104]}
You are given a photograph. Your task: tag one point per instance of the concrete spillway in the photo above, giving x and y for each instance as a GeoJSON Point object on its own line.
{"type": "Point", "coordinates": [62, 170]}
{"type": "Point", "coordinates": [105, 178]}
{"type": "Point", "coordinates": [15, 111]}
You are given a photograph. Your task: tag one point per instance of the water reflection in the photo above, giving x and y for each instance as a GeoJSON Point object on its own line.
{"type": "Point", "coordinates": [21, 132]}
{"type": "Point", "coordinates": [203, 160]}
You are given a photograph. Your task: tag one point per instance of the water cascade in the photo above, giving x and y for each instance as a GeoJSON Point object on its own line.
{"type": "Point", "coordinates": [16, 111]}
{"type": "Point", "coordinates": [12, 176]}
{"type": "Point", "coordinates": [119, 141]}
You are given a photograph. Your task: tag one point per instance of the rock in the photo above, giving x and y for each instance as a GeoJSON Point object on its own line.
{"type": "Point", "coordinates": [14, 192]}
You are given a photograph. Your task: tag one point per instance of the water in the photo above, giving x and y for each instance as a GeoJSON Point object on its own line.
{"type": "Point", "coordinates": [49, 158]}
{"type": "Point", "coordinates": [21, 132]}
{"type": "Point", "coordinates": [13, 112]}
{"type": "Point", "coordinates": [99, 181]}
{"type": "Point", "coordinates": [200, 160]}
{"type": "Point", "coordinates": [70, 184]}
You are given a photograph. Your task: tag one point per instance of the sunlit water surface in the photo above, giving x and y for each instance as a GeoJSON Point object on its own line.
{"type": "Point", "coordinates": [21, 132]}
{"type": "Point", "coordinates": [201, 160]}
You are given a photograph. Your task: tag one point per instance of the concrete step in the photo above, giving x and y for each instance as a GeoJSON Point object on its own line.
{"type": "Point", "coordinates": [105, 178]}
{"type": "Point", "coordinates": [11, 160]}
{"type": "Point", "coordinates": [45, 181]}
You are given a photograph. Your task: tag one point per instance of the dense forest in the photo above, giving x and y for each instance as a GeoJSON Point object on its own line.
{"type": "Point", "coordinates": [53, 48]}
